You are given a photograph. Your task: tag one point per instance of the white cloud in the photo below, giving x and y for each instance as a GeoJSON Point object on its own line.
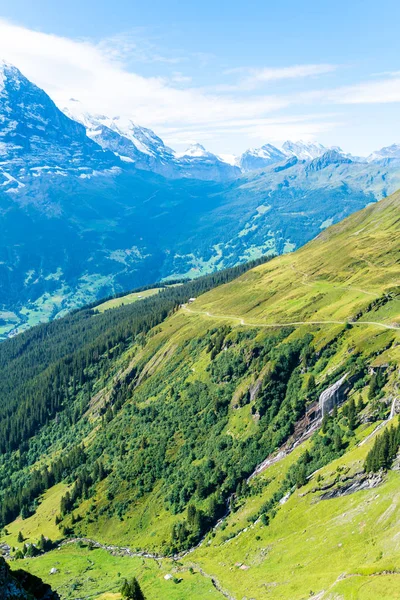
{"type": "Point", "coordinates": [383, 91]}
{"type": "Point", "coordinates": [253, 78]}
{"type": "Point", "coordinates": [254, 131]}
{"type": "Point", "coordinates": [135, 46]}
{"type": "Point", "coordinates": [378, 91]}
{"type": "Point", "coordinates": [178, 77]}
{"type": "Point", "coordinates": [97, 75]}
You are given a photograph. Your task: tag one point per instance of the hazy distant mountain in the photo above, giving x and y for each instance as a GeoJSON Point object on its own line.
{"type": "Point", "coordinates": [257, 158]}
{"type": "Point", "coordinates": [330, 157]}
{"type": "Point", "coordinates": [198, 163]}
{"type": "Point", "coordinates": [389, 152]}
{"type": "Point", "coordinates": [143, 148]}
{"type": "Point", "coordinates": [304, 150]}
{"type": "Point", "coordinates": [85, 212]}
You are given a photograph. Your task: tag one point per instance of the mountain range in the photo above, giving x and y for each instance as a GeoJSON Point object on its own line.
{"type": "Point", "coordinates": [92, 205]}
{"type": "Point", "coordinates": [32, 124]}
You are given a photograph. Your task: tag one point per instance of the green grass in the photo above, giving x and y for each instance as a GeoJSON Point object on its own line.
{"type": "Point", "coordinates": [98, 574]}
{"type": "Point", "coordinates": [128, 299]}
{"type": "Point", "coordinates": [311, 544]}
{"type": "Point", "coordinates": [385, 586]}
{"type": "Point", "coordinates": [146, 525]}
{"type": "Point", "coordinates": [331, 278]}
{"type": "Point", "coordinates": [346, 547]}
{"type": "Point", "coordinates": [42, 522]}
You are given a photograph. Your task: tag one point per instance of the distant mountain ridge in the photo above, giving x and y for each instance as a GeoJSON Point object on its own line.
{"type": "Point", "coordinates": [100, 206]}
{"type": "Point", "coordinates": [257, 158]}
{"type": "Point", "coordinates": [147, 150]}
{"type": "Point", "coordinates": [304, 150]}
{"type": "Point", "coordinates": [129, 142]}
{"type": "Point", "coordinates": [143, 148]}
{"type": "Point", "coordinates": [389, 152]}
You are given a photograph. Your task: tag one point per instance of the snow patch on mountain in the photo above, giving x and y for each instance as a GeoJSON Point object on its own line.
{"type": "Point", "coordinates": [229, 159]}
{"type": "Point", "coordinates": [143, 148]}
{"type": "Point", "coordinates": [388, 152]}
{"type": "Point", "coordinates": [7, 72]}
{"type": "Point", "coordinates": [101, 129]}
{"type": "Point", "coordinates": [303, 150]}
{"type": "Point", "coordinates": [257, 158]}
{"type": "Point", "coordinates": [195, 150]}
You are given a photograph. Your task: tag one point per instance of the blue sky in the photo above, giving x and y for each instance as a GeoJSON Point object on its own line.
{"type": "Point", "coordinates": [230, 75]}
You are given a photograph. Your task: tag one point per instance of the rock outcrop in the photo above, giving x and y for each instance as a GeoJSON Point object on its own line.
{"type": "Point", "coordinates": [333, 395]}
{"type": "Point", "coordinates": [21, 585]}
{"type": "Point", "coordinates": [364, 481]}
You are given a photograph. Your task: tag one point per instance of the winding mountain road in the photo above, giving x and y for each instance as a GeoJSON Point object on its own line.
{"type": "Point", "coordinates": [242, 321]}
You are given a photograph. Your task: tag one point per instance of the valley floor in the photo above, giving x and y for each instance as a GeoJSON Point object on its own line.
{"type": "Point", "coordinates": [325, 549]}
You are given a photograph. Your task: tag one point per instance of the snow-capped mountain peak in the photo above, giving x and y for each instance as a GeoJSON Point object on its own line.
{"type": "Point", "coordinates": [141, 146]}
{"type": "Point", "coordinates": [304, 150]}
{"type": "Point", "coordinates": [101, 129]}
{"type": "Point", "coordinates": [200, 163]}
{"type": "Point", "coordinates": [258, 158]}
{"type": "Point", "coordinates": [9, 74]}
{"type": "Point", "coordinates": [195, 150]}
{"type": "Point", "coordinates": [267, 151]}
{"type": "Point", "coordinates": [388, 152]}
{"type": "Point", "coordinates": [35, 136]}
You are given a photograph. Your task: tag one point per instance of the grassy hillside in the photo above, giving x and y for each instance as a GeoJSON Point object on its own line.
{"type": "Point", "coordinates": [155, 437]}
{"type": "Point", "coordinates": [334, 277]}
{"type": "Point", "coordinates": [344, 547]}
{"type": "Point", "coordinates": [127, 299]}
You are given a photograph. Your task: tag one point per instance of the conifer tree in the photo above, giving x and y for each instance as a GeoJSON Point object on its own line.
{"type": "Point", "coordinates": [351, 414]}
{"type": "Point", "coordinates": [131, 590]}
{"type": "Point", "coordinates": [384, 450]}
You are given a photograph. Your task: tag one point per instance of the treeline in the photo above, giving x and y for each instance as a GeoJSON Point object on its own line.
{"type": "Point", "coordinates": [137, 290]}
{"type": "Point", "coordinates": [20, 500]}
{"type": "Point", "coordinates": [186, 534]}
{"type": "Point", "coordinates": [81, 489]}
{"type": "Point", "coordinates": [384, 450]}
{"type": "Point", "coordinates": [46, 367]}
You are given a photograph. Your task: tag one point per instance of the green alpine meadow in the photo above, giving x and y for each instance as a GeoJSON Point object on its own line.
{"type": "Point", "coordinates": [216, 438]}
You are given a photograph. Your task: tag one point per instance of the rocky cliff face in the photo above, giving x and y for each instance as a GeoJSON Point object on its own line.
{"type": "Point", "coordinates": [20, 585]}
{"type": "Point", "coordinates": [36, 137]}
{"type": "Point", "coordinates": [333, 395]}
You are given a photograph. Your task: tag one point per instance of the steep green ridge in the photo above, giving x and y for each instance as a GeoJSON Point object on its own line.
{"type": "Point", "coordinates": [46, 367]}
{"type": "Point", "coordinates": [178, 416]}
{"type": "Point", "coordinates": [340, 273]}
